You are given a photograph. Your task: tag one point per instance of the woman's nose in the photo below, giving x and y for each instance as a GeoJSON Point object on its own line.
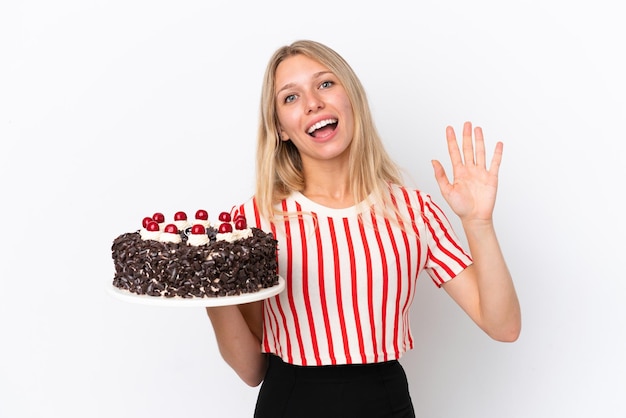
{"type": "Point", "coordinates": [314, 103]}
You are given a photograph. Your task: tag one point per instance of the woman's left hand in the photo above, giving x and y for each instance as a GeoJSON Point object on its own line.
{"type": "Point", "coordinates": [472, 192]}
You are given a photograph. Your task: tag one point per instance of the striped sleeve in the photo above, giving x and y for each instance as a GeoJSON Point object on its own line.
{"type": "Point", "coordinates": [445, 255]}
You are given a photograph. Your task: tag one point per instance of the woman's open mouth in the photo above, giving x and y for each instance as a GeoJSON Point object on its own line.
{"type": "Point", "coordinates": [323, 128]}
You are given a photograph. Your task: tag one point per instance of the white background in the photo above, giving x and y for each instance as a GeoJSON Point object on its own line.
{"type": "Point", "coordinates": [114, 110]}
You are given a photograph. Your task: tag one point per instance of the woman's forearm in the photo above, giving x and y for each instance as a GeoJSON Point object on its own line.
{"type": "Point", "coordinates": [498, 303]}
{"type": "Point", "coordinates": [238, 330]}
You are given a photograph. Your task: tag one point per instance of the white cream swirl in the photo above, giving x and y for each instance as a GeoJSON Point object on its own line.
{"type": "Point", "coordinates": [204, 222]}
{"type": "Point", "coordinates": [170, 237]}
{"type": "Point", "coordinates": [149, 235]}
{"type": "Point", "coordinates": [182, 224]}
{"type": "Point", "coordinates": [236, 235]}
{"type": "Point", "coordinates": [197, 239]}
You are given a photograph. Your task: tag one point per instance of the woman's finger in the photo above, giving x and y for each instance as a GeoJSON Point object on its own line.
{"type": "Point", "coordinates": [480, 147]}
{"type": "Point", "coordinates": [453, 147]}
{"type": "Point", "coordinates": [468, 146]}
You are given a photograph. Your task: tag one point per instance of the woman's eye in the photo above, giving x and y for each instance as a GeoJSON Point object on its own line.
{"type": "Point", "coordinates": [290, 98]}
{"type": "Point", "coordinates": [326, 84]}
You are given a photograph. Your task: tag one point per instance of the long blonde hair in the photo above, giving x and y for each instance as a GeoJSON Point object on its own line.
{"type": "Point", "coordinates": [278, 163]}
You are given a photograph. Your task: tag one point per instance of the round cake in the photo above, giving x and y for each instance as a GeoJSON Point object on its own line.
{"type": "Point", "coordinates": [195, 258]}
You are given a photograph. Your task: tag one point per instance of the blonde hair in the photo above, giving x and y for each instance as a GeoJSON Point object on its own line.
{"type": "Point", "coordinates": [278, 163]}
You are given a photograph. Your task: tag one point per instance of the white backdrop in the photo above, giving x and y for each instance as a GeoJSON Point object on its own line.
{"type": "Point", "coordinates": [111, 110]}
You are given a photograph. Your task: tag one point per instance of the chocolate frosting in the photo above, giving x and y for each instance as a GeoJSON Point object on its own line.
{"type": "Point", "coordinates": [219, 268]}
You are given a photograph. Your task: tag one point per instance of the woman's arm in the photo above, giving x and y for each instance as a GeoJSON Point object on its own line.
{"type": "Point", "coordinates": [239, 331]}
{"type": "Point", "coordinates": [484, 290]}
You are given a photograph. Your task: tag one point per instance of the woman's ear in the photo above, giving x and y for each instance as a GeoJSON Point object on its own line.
{"type": "Point", "coordinates": [284, 136]}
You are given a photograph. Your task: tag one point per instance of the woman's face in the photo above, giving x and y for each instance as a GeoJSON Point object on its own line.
{"type": "Point", "coordinates": [313, 109]}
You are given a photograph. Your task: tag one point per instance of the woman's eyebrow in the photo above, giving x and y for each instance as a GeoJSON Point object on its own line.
{"type": "Point", "coordinates": [315, 75]}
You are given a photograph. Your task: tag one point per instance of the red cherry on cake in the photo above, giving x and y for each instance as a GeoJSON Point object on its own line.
{"type": "Point", "coordinates": [198, 229]}
{"type": "Point", "coordinates": [158, 217]}
{"type": "Point", "coordinates": [224, 217]}
{"type": "Point", "coordinates": [240, 223]}
{"type": "Point", "coordinates": [202, 215]}
{"type": "Point", "coordinates": [180, 216]}
{"type": "Point", "coordinates": [225, 228]}
{"type": "Point", "coordinates": [171, 228]}
{"type": "Point", "coordinates": [152, 226]}
{"type": "Point", "coordinates": [146, 221]}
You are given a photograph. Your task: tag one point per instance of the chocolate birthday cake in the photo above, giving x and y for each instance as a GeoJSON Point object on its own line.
{"type": "Point", "coordinates": [194, 259]}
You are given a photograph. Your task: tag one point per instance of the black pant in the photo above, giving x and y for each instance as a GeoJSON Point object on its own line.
{"type": "Point", "coordinates": [378, 390]}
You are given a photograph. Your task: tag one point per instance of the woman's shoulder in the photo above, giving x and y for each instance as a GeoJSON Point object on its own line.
{"type": "Point", "coordinates": [407, 192]}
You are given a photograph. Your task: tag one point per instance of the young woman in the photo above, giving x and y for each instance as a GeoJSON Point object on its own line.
{"type": "Point", "coordinates": [352, 242]}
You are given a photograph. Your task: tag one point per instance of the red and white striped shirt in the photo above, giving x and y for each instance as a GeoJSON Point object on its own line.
{"type": "Point", "coordinates": [350, 281]}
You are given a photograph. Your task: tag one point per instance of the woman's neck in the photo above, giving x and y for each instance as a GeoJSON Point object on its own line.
{"type": "Point", "coordinates": [336, 199]}
{"type": "Point", "coordinates": [328, 187]}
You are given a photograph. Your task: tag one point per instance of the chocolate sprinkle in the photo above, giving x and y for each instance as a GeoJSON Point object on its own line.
{"type": "Point", "coordinates": [219, 268]}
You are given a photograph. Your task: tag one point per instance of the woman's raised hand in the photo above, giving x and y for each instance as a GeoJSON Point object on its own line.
{"type": "Point", "coordinates": [472, 192]}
